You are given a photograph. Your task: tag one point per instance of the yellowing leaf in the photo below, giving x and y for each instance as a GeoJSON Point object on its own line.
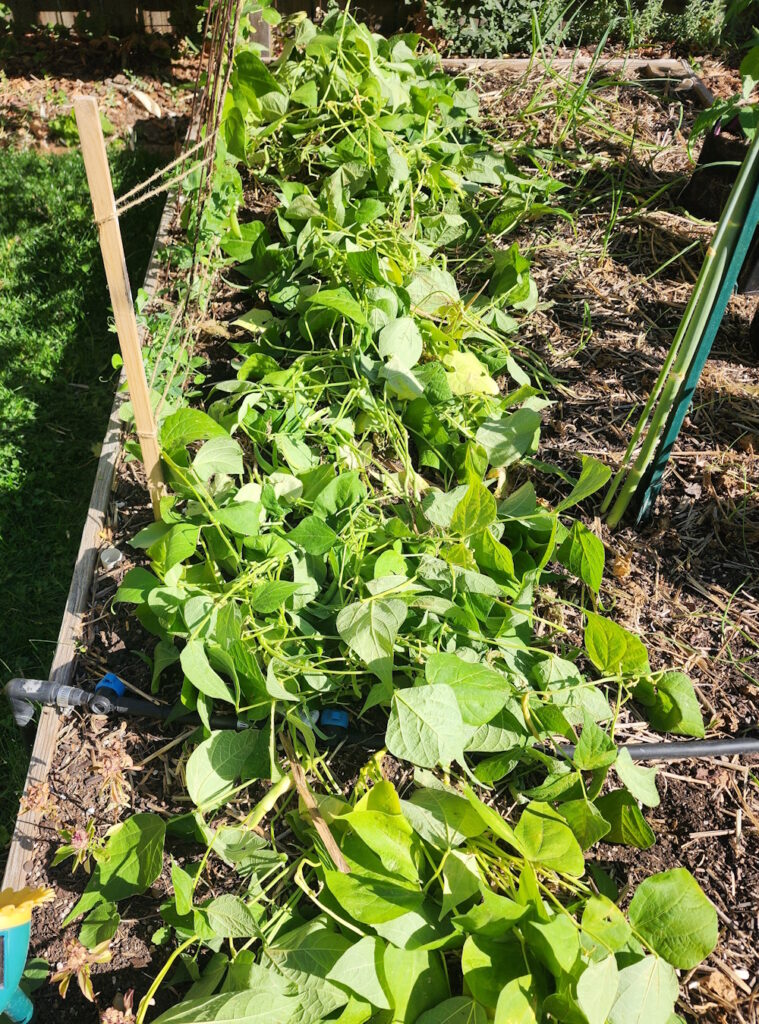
{"type": "Point", "coordinates": [468, 376]}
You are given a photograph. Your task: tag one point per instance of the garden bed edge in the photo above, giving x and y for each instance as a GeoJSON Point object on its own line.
{"type": "Point", "coordinates": [64, 658]}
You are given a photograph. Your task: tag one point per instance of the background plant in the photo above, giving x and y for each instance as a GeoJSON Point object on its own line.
{"type": "Point", "coordinates": [496, 28]}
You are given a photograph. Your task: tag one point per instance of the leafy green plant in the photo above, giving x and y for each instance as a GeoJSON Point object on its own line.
{"type": "Point", "coordinates": [493, 28]}
{"type": "Point", "coordinates": [447, 913]}
{"type": "Point", "coordinates": [349, 524]}
{"type": "Point", "coordinates": [443, 872]}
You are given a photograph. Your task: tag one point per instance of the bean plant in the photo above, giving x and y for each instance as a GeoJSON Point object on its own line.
{"type": "Point", "coordinates": [352, 523]}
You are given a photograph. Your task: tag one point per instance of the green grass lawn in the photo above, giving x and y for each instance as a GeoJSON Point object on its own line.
{"type": "Point", "coordinates": [56, 389]}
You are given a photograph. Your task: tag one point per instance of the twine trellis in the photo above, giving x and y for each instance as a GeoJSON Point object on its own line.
{"type": "Point", "coordinates": [220, 30]}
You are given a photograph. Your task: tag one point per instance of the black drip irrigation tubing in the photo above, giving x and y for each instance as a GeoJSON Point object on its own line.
{"type": "Point", "coordinates": [332, 725]}
{"type": "Point", "coordinates": [680, 750]}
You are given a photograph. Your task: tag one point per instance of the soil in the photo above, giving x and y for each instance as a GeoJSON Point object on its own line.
{"type": "Point", "coordinates": [687, 581]}
{"type": "Point", "coordinates": [146, 101]}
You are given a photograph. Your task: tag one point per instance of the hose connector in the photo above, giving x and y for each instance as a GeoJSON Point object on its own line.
{"type": "Point", "coordinates": [22, 694]}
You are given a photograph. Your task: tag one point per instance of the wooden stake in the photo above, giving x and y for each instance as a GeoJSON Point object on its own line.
{"type": "Point", "coordinates": [261, 33]}
{"type": "Point", "coordinates": [112, 249]}
{"type": "Point", "coordinates": [312, 808]}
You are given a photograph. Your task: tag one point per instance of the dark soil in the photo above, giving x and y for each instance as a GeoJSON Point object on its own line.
{"type": "Point", "coordinates": [148, 105]}
{"type": "Point", "coordinates": [687, 581]}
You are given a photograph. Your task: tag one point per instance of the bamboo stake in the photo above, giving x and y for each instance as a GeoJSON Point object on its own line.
{"type": "Point", "coordinates": [312, 808]}
{"type": "Point", "coordinates": [112, 249]}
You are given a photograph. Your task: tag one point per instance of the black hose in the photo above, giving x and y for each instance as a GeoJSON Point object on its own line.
{"type": "Point", "coordinates": [679, 750]}
{"type": "Point", "coordinates": [675, 750]}
{"type": "Point", "coordinates": [21, 693]}
{"type": "Point", "coordinates": [162, 712]}
{"type": "Point", "coordinates": [666, 750]}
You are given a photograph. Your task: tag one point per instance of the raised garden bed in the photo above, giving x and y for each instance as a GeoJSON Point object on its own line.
{"type": "Point", "coordinates": [111, 638]}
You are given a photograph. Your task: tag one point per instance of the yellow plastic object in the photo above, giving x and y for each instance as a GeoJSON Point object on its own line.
{"type": "Point", "coordinates": [16, 905]}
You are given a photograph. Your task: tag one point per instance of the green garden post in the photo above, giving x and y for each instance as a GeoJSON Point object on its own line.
{"type": "Point", "coordinates": [651, 482]}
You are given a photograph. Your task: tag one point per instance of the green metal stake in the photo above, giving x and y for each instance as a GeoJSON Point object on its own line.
{"type": "Point", "coordinates": [651, 482]}
{"type": "Point", "coordinates": [685, 343]}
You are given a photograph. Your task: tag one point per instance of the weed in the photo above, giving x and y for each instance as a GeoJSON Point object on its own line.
{"type": "Point", "coordinates": [63, 128]}
{"type": "Point", "coordinates": [78, 964]}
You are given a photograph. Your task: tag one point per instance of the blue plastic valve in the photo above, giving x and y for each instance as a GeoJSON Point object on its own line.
{"type": "Point", "coordinates": [333, 718]}
{"type": "Point", "coordinates": [111, 682]}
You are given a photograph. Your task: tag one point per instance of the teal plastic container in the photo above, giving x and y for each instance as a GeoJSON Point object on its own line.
{"type": "Point", "coordinates": [15, 926]}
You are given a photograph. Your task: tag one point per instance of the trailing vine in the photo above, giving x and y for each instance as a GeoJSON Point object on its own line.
{"type": "Point", "coordinates": [350, 527]}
